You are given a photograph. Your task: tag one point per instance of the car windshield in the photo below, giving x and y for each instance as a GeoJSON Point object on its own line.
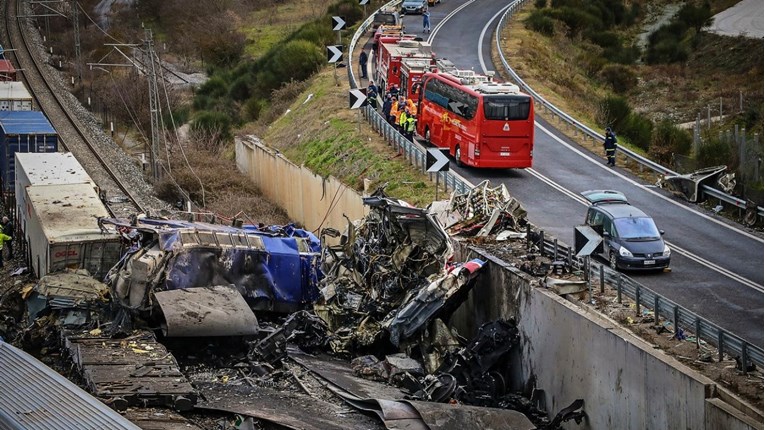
{"type": "Point", "coordinates": [636, 228]}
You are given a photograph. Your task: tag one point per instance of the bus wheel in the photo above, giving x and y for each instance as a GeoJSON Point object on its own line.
{"type": "Point", "coordinates": [427, 136]}
{"type": "Point", "coordinates": [457, 156]}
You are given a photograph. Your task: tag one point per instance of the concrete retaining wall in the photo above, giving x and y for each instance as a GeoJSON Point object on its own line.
{"type": "Point", "coordinates": [571, 352]}
{"type": "Point", "coordinates": [309, 199]}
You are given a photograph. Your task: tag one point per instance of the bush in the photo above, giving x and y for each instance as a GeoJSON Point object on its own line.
{"type": "Point", "coordinates": [714, 153]}
{"type": "Point", "coordinates": [591, 63]}
{"type": "Point", "coordinates": [620, 78]}
{"type": "Point", "coordinates": [577, 20]}
{"type": "Point", "coordinates": [318, 33]}
{"type": "Point", "coordinates": [541, 23]}
{"type": "Point", "coordinates": [540, 4]}
{"type": "Point", "coordinates": [347, 8]}
{"type": "Point", "coordinates": [639, 130]}
{"type": "Point", "coordinates": [217, 125]}
{"type": "Point", "coordinates": [669, 140]}
{"type": "Point", "coordinates": [614, 112]}
{"type": "Point", "coordinates": [667, 50]}
{"type": "Point", "coordinates": [254, 107]}
{"type": "Point", "coordinates": [695, 17]}
{"type": "Point", "coordinates": [240, 89]}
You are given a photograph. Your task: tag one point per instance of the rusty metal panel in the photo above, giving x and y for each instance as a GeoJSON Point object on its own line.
{"type": "Point", "coordinates": [213, 311]}
{"type": "Point", "coordinates": [136, 370]}
{"type": "Point", "coordinates": [33, 396]}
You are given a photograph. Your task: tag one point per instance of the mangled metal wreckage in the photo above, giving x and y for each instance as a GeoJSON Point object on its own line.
{"type": "Point", "coordinates": [390, 275]}
{"type": "Point", "coordinates": [207, 276]}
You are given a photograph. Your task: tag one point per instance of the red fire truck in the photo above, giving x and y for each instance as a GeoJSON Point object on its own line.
{"type": "Point", "coordinates": [482, 123]}
{"type": "Point", "coordinates": [390, 57]}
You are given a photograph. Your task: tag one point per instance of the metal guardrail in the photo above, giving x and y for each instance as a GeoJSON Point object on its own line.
{"type": "Point", "coordinates": [725, 342]}
{"type": "Point", "coordinates": [586, 131]}
{"type": "Point", "coordinates": [644, 297]}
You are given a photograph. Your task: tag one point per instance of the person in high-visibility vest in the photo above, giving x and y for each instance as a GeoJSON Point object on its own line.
{"type": "Point", "coordinates": [402, 121]}
{"type": "Point", "coordinates": [411, 122]}
{"type": "Point", "coordinates": [411, 106]}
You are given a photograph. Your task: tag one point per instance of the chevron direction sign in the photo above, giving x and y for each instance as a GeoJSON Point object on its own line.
{"type": "Point", "coordinates": [586, 240]}
{"type": "Point", "coordinates": [334, 53]}
{"type": "Point", "coordinates": [357, 98]}
{"type": "Point", "coordinates": [338, 23]}
{"type": "Point", "coordinates": [436, 161]}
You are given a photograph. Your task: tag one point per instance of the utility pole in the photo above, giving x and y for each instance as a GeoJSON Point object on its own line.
{"type": "Point", "coordinates": [77, 48]}
{"type": "Point", "coordinates": [155, 107]}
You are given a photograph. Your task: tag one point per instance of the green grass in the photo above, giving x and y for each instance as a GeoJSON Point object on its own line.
{"type": "Point", "coordinates": [324, 135]}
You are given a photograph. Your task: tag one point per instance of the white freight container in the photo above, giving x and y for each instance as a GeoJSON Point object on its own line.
{"type": "Point", "coordinates": [45, 168]}
{"type": "Point", "coordinates": [14, 96]}
{"type": "Point", "coordinates": [62, 230]}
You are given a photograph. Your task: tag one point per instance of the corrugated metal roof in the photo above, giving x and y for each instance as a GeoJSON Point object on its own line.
{"type": "Point", "coordinates": [12, 90]}
{"type": "Point", "coordinates": [25, 122]}
{"type": "Point", "coordinates": [49, 168]}
{"type": "Point", "coordinates": [68, 212]}
{"type": "Point", "coordinates": [34, 397]}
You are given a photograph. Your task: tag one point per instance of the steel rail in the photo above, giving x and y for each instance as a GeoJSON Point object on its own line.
{"type": "Point", "coordinates": [66, 124]}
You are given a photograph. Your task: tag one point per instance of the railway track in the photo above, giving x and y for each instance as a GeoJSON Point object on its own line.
{"type": "Point", "coordinates": [73, 135]}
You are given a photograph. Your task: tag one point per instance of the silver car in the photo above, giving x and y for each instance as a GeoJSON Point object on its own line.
{"type": "Point", "coordinates": [413, 6]}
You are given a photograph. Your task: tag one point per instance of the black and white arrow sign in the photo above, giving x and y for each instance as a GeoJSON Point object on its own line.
{"type": "Point", "coordinates": [586, 240]}
{"type": "Point", "coordinates": [357, 98]}
{"type": "Point", "coordinates": [334, 53]}
{"type": "Point", "coordinates": [363, 2]}
{"type": "Point", "coordinates": [338, 23]}
{"type": "Point", "coordinates": [436, 161]}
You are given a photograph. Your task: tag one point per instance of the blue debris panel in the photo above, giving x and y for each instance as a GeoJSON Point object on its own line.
{"type": "Point", "coordinates": [275, 268]}
{"type": "Point", "coordinates": [23, 131]}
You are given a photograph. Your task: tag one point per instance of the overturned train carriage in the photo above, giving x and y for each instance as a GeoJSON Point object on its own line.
{"type": "Point", "coordinates": [274, 269]}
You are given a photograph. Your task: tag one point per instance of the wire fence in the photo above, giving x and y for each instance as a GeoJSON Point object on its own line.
{"type": "Point", "coordinates": [644, 297]}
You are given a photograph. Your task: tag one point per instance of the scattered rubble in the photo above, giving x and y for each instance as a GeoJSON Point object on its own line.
{"type": "Point", "coordinates": [271, 301]}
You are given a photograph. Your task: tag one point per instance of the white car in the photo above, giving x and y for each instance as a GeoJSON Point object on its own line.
{"type": "Point", "coordinates": [414, 6]}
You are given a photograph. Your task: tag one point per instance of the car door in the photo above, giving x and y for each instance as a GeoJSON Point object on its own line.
{"type": "Point", "coordinates": [595, 219]}
{"type": "Point", "coordinates": [610, 240]}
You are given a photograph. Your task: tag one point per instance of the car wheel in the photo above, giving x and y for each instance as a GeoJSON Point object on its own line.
{"type": "Point", "coordinates": [457, 156]}
{"type": "Point", "coordinates": [612, 260]}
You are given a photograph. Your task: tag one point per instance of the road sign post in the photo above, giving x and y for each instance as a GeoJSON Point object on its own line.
{"type": "Point", "coordinates": [334, 54]}
{"type": "Point", "coordinates": [357, 98]}
{"type": "Point", "coordinates": [364, 3]}
{"type": "Point", "coordinates": [435, 162]}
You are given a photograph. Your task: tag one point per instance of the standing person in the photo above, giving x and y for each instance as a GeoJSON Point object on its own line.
{"type": "Point", "coordinates": [426, 21]}
{"type": "Point", "coordinates": [8, 231]}
{"type": "Point", "coordinates": [411, 122]}
{"type": "Point", "coordinates": [3, 238]}
{"type": "Point", "coordinates": [372, 95]}
{"type": "Point", "coordinates": [402, 119]}
{"type": "Point", "coordinates": [609, 144]}
{"type": "Point", "coordinates": [386, 107]}
{"type": "Point", "coordinates": [363, 64]}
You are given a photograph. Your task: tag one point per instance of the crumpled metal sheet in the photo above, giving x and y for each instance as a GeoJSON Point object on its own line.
{"type": "Point", "coordinates": [413, 315]}
{"type": "Point", "coordinates": [383, 261]}
{"type": "Point", "coordinates": [688, 186]}
{"type": "Point", "coordinates": [213, 311]}
{"type": "Point", "coordinates": [482, 211]}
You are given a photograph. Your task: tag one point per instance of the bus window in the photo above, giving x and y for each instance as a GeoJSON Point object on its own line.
{"type": "Point", "coordinates": [507, 107]}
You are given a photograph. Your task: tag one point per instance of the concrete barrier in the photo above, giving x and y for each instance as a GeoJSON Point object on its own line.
{"type": "Point", "coordinates": [313, 201]}
{"type": "Point", "coordinates": [571, 352]}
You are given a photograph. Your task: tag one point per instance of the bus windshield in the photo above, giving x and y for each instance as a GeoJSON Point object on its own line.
{"type": "Point", "coordinates": [507, 107]}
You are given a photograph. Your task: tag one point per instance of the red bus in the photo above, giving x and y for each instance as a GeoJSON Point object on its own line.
{"type": "Point", "coordinates": [482, 123]}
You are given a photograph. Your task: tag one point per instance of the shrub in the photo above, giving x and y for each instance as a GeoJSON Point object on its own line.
{"type": "Point", "coordinates": [540, 4]}
{"type": "Point", "coordinates": [714, 153]}
{"type": "Point", "coordinates": [591, 63]}
{"type": "Point", "coordinates": [667, 50]}
{"type": "Point", "coordinates": [669, 140]}
{"type": "Point", "coordinates": [695, 17]}
{"type": "Point", "coordinates": [214, 124]}
{"type": "Point", "coordinates": [541, 23]}
{"type": "Point", "coordinates": [240, 89]}
{"type": "Point", "coordinates": [620, 78]}
{"type": "Point", "coordinates": [319, 33]}
{"type": "Point", "coordinates": [347, 8]}
{"type": "Point", "coordinates": [614, 111]}
{"type": "Point", "coordinates": [214, 87]}
{"type": "Point", "coordinates": [254, 107]}
{"type": "Point", "coordinates": [639, 130]}
{"type": "Point", "coordinates": [577, 20]}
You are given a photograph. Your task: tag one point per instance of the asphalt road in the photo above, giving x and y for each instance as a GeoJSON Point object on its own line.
{"type": "Point", "coordinates": [743, 19]}
{"type": "Point", "coordinates": [717, 267]}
